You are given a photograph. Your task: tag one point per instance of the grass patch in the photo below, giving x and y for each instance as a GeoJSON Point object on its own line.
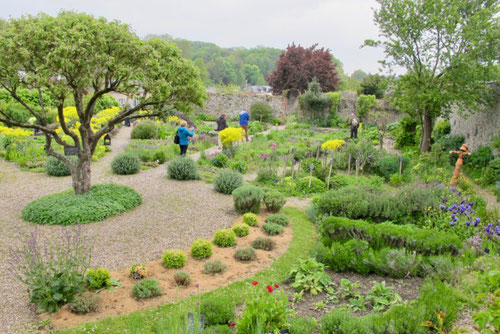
{"type": "Point", "coordinates": [66, 208]}
{"type": "Point", "coordinates": [151, 320]}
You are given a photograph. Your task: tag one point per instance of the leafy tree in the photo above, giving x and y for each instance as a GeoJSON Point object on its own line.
{"type": "Point", "coordinates": [359, 75]}
{"type": "Point", "coordinates": [373, 85]}
{"type": "Point", "coordinates": [364, 104]}
{"type": "Point", "coordinates": [253, 75]}
{"type": "Point", "coordinates": [313, 101]}
{"type": "Point", "coordinates": [381, 119]}
{"type": "Point", "coordinates": [3, 24]}
{"type": "Point", "coordinates": [224, 70]}
{"type": "Point", "coordinates": [450, 50]}
{"type": "Point", "coordinates": [298, 66]}
{"type": "Point", "coordinates": [205, 77]}
{"type": "Point", "coordinates": [75, 54]}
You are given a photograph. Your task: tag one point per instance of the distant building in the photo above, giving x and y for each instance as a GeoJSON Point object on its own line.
{"type": "Point", "coordinates": [258, 89]}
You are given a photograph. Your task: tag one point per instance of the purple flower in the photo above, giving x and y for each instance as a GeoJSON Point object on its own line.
{"type": "Point", "coordinates": [197, 303]}
{"type": "Point", "coordinates": [443, 207]}
{"type": "Point", "coordinates": [471, 203]}
{"type": "Point", "coordinates": [445, 200]}
{"type": "Point", "coordinates": [497, 230]}
{"type": "Point", "coordinates": [476, 222]}
{"type": "Point", "coordinates": [452, 189]}
{"type": "Point", "coordinates": [467, 223]}
{"type": "Point", "coordinates": [440, 186]}
{"type": "Point", "coordinates": [452, 223]}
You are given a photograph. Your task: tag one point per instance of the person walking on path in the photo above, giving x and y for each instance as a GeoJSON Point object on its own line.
{"type": "Point", "coordinates": [221, 125]}
{"type": "Point", "coordinates": [244, 119]}
{"type": "Point", "coordinates": [184, 135]}
{"type": "Point", "coordinates": [354, 123]}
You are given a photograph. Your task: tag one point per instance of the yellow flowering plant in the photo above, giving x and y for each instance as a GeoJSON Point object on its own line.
{"type": "Point", "coordinates": [15, 132]}
{"type": "Point", "coordinates": [333, 144]}
{"type": "Point", "coordinates": [229, 136]}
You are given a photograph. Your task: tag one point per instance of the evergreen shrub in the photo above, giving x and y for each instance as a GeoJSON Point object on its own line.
{"type": "Point", "coordinates": [146, 288]}
{"type": "Point", "coordinates": [244, 254]}
{"type": "Point", "coordinates": [247, 198]}
{"type": "Point", "coordinates": [126, 163]}
{"type": "Point", "coordinates": [272, 229]}
{"type": "Point", "coordinates": [225, 238]}
{"type": "Point", "coordinates": [98, 278]}
{"type": "Point", "coordinates": [174, 258]}
{"type": "Point", "coordinates": [274, 200]}
{"type": "Point", "coordinates": [56, 167]}
{"type": "Point", "coordinates": [182, 168]}
{"type": "Point", "coordinates": [145, 130]}
{"type": "Point", "coordinates": [278, 218]}
{"type": "Point", "coordinates": [241, 229]}
{"type": "Point", "coordinates": [250, 219]}
{"type": "Point", "coordinates": [217, 311]}
{"type": "Point", "coordinates": [227, 180]}
{"type": "Point", "coordinates": [264, 243]}
{"type": "Point", "coordinates": [201, 249]}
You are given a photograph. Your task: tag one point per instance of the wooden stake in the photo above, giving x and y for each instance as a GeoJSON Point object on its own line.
{"type": "Point", "coordinates": [329, 174]}
{"type": "Point", "coordinates": [349, 165]}
{"type": "Point", "coordinates": [400, 165]}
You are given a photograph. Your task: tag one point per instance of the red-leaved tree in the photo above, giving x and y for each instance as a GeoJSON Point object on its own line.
{"type": "Point", "coordinates": [297, 66]}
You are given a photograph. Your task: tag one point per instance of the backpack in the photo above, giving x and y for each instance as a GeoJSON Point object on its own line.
{"type": "Point", "coordinates": [354, 122]}
{"type": "Point", "coordinates": [176, 138]}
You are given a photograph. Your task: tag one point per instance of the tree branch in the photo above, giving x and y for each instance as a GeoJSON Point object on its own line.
{"type": "Point", "coordinates": [50, 151]}
{"type": "Point", "coordinates": [64, 126]}
{"type": "Point", "coordinates": [18, 99]}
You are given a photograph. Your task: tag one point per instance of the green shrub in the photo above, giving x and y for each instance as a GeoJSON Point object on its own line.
{"type": "Point", "coordinates": [389, 165]}
{"type": "Point", "coordinates": [247, 198]}
{"type": "Point", "coordinates": [56, 167]}
{"type": "Point", "coordinates": [174, 258]}
{"type": "Point", "coordinates": [261, 111]}
{"type": "Point", "coordinates": [332, 321]}
{"type": "Point", "coordinates": [339, 257]}
{"type": "Point", "coordinates": [182, 168]}
{"type": "Point", "coordinates": [389, 235]}
{"type": "Point", "coordinates": [406, 132]}
{"type": "Point", "coordinates": [182, 278]}
{"type": "Point", "coordinates": [274, 201]}
{"type": "Point", "coordinates": [396, 263]}
{"type": "Point", "coordinates": [217, 311]}
{"type": "Point", "coordinates": [302, 325]}
{"type": "Point", "coordinates": [264, 243]}
{"type": "Point", "coordinates": [220, 161]}
{"type": "Point", "coordinates": [225, 238]}
{"type": "Point", "coordinates": [98, 278]}
{"type": "Point", "coordinates": [84, 304]}
{"type": "Point", "coordinates": [126, 163]}
{"type": "Point", "coordinates": [480, 158]}
{"type": "Point", "coordinates": [201, 249]}
{"type": "Point", "coordinates": [250, 219]}
{"type": "Point", "coordinates": [317, 186]}
{"type": "Point", "coordinates": [239, 166]}
{"type": "Point", "coordinates": [226, 181]}
{"type": "Point", "coordinates": [241, 229]}
{"type": "Point", "coordinates": [267, 174]}
{"type": "Point", "coordinates": [492, 172]}
{"type": "Point", "coordinates": [441, 129]}
{"type": "Point", "coordinates": [146, 288]}
{"type": "Point", "coordinates": [441, 267]}
{"type": "Point", "coordinates": [145, 130]}
{"type": "Point", "coordinates": [66, 208]}
{"type": "Point", "coordinates": [278, 218]}
{"type": "Point", "coordinates": [436, 295]}
{"type": "Point", "coordinates": [272, 229]}
{"type": "Point", "coordinates": [244, 254]}
{"type": "Point", "coordinates": [160, 156]}
{"type": "Point", "coordinates": [214, 267]}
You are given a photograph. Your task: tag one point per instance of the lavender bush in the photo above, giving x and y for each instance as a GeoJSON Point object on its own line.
{"type": "Point", "coordinates": [52, 269]}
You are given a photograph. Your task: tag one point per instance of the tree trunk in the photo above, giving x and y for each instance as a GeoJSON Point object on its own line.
{"type": "Point", "coordinates": [380, 141]}
{"type": "Point", "coordinates": [425, 144]}
{"type": "Point", "coordinates": [81, 175]}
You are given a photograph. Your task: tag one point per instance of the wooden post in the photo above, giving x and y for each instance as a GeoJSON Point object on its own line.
{"type": "Point", "coordinates": [285, 159]}
{"type": "Point", "coordinates": [293, 163]}
{"type": "Point", "coordinates": [311, 168]}
{"type": "Point", "coordinates": [349, 164]}
{"type": "Point", "coordinates": [400, 165]}
{"type": "Point", "coordinates": [329, 174]}
{"type": "Point", "coordinates": [317, 152]}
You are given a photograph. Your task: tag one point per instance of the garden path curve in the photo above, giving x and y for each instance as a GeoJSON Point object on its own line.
{"type": "Point", "coordinates": [173, 214]}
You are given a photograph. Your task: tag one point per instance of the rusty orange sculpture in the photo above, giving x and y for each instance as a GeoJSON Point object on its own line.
{"type": "Point", "coordinates": [460, 162]}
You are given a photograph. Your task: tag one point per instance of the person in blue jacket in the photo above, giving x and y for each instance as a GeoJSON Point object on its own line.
{"type": "Point", "coordinates": [184, 135]}
{"type": "Point", "coordinates": [244, 119]}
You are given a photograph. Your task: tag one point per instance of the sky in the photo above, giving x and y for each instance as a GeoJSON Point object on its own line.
{"type": "Point", "coordinates": [339, 25]}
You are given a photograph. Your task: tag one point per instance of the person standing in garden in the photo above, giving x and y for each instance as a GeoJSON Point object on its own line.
{"type": "Point", "coordinates": [184, 135]}
{"type": "Point", "coordinates": [244, 119]}
{"type": "Point", "coordinates": [354, 123]}
{"type": "Point", "coordinates": [221, 125]}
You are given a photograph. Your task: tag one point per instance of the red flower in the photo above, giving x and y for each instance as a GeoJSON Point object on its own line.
{"type": "Point", "coordinates": [255, 283]}
{"type": "Point", "coordinates": [269, 289]}
{"type": "Point", "coordinates": [276, 286]}
{"type": "Point", "coordinates": [233, 324]}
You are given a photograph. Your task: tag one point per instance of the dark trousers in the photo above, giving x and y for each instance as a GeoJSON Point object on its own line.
{"type": "Point", "coordinates": [354, 132]}
{"type": "Point", "coordinates": [184, 149]}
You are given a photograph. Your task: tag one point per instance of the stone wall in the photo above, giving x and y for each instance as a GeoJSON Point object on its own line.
{"type": "Point", "coordinates": [231, 104]}
{"type": "Point", "coordinates": [477, 128]}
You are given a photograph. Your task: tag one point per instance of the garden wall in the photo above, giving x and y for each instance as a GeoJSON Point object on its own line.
{"type": "Point", "coordinates": [477, 128]}
{"type": "Point", "coordinates": [231, 104]}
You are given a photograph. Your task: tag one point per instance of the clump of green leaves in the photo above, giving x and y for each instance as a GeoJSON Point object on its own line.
{"type": "Point", "coordinates": [278, 218]}
{"type": "Point", "coordinates": [217, 311]}
{"type": "Point", "coordinates": [98, 278]}
{"type": "Point", "coordinates": [174, 258]}
{"type": "Point", "coordinates": [126, 163]}
{"type": "Point", "coordinates": [225, 238]}
{"type": "Point", "coordinates": [214, 267]}
{"type": "Point", "coordinates": [245, 254]}
{"type": "Point", "coordinates": [272, 228]}
{"type": "Point", "coordinates": [250, 219]}
{"type": "Point", "coordinates": [227, 180]}
{"type": "Point", "coordinates": [241, 229]}
{"type": "Point", "coordinates": [247, 198]}
{"type": "Point", "coordinates": [264, 243]}
{"type": "Point", "coordinates": [183, 168]}
{"type": "Point", "coordinates": [381, 297]}
{"type": "Point", "coordinates": [84, 304]}
{"type": "Point", "coordinates": [309, 275]}
{"type": "Point", "coordinates": [182, 278]}
{"type": "Point", "coordinates": [201, 248]}
{"type": "Point", "coordinates": [274, 201]}
{"type": "Point", "coordinates": [146, 288]}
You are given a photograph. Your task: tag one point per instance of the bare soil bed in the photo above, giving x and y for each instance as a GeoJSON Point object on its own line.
{"type": "Point", "coordinates": [120, 301]}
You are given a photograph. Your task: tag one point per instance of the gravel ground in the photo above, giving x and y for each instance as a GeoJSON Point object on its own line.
{"type": "Point", "coordinates": [170, 217]}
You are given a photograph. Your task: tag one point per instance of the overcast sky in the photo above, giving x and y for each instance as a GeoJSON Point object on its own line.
{"type": "Point", "coordinates": [340, 25]}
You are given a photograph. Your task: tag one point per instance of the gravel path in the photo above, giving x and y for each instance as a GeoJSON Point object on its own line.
{"type": "Point", "coordinates": [170, 217]}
